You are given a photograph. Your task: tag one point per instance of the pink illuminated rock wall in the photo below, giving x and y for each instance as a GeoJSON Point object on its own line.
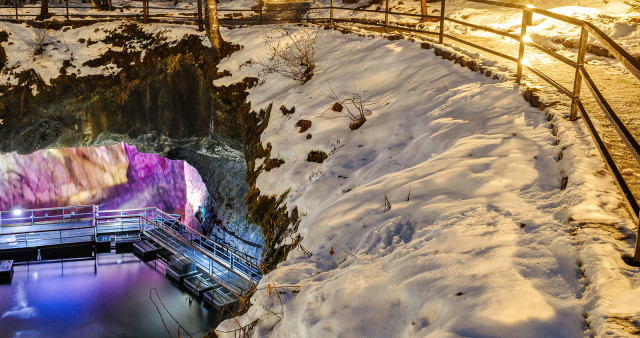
{"type": "Point", "coordinates": [114, 177]}
{"type": "Point", "coordinates": [57, 177]}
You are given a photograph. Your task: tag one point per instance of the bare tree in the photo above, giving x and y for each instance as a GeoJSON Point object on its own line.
{"type": "Point", "coordinates": [423, 9]}
{"type": "Point", "coordinates": [291, 53]}
{"type": "Point", "coordinates": [44, 10]}
{"type": "Point", "coordinates": [213, 28]}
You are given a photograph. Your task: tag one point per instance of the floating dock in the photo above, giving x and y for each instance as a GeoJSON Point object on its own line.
{"type": "Point", "coordinates": [146, 250]}
{"type": "Point", "coordinates": [198, 284]}
{"type": "Point", "coordinates": [205, 267]}
{"type": "Point", "coordinates": [6, 271]}
{"type": "Point", "coordinates": [220, 297]}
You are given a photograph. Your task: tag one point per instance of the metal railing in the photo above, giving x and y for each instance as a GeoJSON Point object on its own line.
{"type": "Point", "coordinates": [244, 265]}
{"type": "Point", "coordinates": [19, 217]}
{"type": "Point", "coordinates": [49, 237]}
{"type": "Point", "coordinates": [581, 75]}
{"type": "Point", "coordinates": [122, 221]}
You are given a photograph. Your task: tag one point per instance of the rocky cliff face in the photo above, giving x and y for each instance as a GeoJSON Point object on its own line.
{"type": "Point", "coordinates": [161, 101]}
{"type": "Point", "coordinates": [113, 177]}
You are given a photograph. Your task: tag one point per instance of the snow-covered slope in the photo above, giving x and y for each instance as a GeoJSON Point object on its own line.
{"type": "Point", "coordinates": [479, 240]}
{"type": "Point", "coordinates": [73, 48]}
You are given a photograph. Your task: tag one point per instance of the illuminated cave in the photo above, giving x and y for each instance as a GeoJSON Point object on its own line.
{"type": "Point", "coordinates": [113, 177]}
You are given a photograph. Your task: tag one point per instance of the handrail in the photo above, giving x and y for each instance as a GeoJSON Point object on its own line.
{"type": "Point", "coordinates": [629, 62]}
{"type": "Point", "coordinates": [622, 55]}
{"type": "Point", "coordinates": [487, 29]}
{"type": "Point", "coordinates": [189, 240]}
{"type": "Point", "coordinates": [47, 230]}
{"type": "Point", "coordinates": [198, 233]}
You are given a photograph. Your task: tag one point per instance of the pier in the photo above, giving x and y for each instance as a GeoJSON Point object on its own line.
{"type": "Point", "coordinates": [206, 268]}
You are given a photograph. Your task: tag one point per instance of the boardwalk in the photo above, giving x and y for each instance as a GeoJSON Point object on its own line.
{"type": "Point", "coordinates": [205, 260]}
{"type": "Point", "coordinates": [218, 266]}
{"type": "Point", "coordinates": [41, 235]}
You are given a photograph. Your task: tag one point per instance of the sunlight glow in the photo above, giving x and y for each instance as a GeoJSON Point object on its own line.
{"type": "Point", "coordinates": [527, 38]}
{"type": "Point", "coordinates": [17, 212]}
{"type": "Point", "coordinates": [526, 62]}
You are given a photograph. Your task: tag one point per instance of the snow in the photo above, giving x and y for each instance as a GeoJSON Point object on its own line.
{"type": "Point", "coordinates": [611, 17]}
{"type": "Point", "coordinates": [483, 245]}
{"type": "Point", "coordinates": [480, 239]}
{"type": "Point", "coordinates": [71, 44]}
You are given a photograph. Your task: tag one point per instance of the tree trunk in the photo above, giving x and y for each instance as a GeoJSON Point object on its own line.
{"type": "Point", "coordinates": [213, 30]}
{"type": "Point", "coordinates": [44, 10]}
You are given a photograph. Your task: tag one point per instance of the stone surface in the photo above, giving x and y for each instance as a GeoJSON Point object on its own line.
{"type": "Point", "coordinates": [164, 105]}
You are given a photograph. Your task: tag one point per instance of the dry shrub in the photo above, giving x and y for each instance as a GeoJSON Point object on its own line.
{"type": "Point", "coordinates": [272, 163]}
{"type": "Point", "coordinates": [317, 156]}
{"type": "Point", "coordinates": [286, 111]}
{"type": "Point", "coordinates": [304, 125]}
{"type": "Point", "coordinates": [39, 42]}
{"type": "Point", "coordinates": [352, 105]}
{"type": "Point", "coordinates": [357, 123]}
{"type": "Point", "coordinates": [291, 53]}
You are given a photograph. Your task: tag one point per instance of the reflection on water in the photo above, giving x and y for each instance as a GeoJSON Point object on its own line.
{"type": "Point", "coordinates": [21, 309]}
{"type": "Point", "coordinates": [104, 297]}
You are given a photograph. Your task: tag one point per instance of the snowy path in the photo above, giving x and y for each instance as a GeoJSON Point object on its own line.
{"type": "Point", "coordinates": [482, 247]}
{"type": "Point", "coordinates": [618, 86]}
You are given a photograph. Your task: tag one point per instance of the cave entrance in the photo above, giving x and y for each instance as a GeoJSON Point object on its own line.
{"type": "Point", "coordinates": [206, 191]}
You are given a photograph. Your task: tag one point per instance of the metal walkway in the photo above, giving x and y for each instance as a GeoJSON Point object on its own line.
{"type": "Point", "coordinates": [57, 227]}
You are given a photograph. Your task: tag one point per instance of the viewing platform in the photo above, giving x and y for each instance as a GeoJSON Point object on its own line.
{"type": "Point", "coordinates": [207, 268]}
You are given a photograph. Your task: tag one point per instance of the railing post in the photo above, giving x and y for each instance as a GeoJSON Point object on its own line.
{"type": "Point", "coordinates": [526, 18]}
{"type": "Point", "coordinates": [262, 6]}
{"type": "Point", "coordinates": [577, 82]}
{"type": "Point", "coordinates": [330, 14]}
{"type": "Point", "coordinates": [145, 11]}
{"type": "Point", "coordinates": [386, 16]}
{"type": "Point", "coordinates": [636, 255]}
{"type": "Point", "coordinates": [441, 34]}
{"type": "Point", "coordinates": [66, 4]}
{"type": "Point", "coordinates": [200, 27]}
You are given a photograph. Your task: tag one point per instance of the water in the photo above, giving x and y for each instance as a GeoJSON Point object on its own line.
{"type": "Point", "coordinates": [103, 297]}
